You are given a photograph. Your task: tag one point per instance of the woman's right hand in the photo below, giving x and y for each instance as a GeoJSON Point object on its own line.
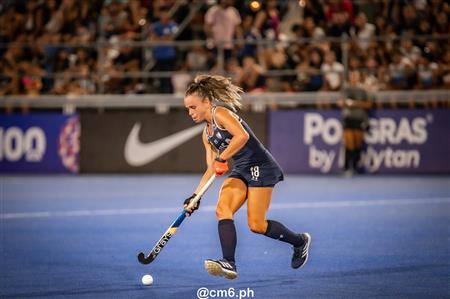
{"type": "Point", "coordinates": [220, 166]}
{"type": "Point", "coordinates": [188, 201]}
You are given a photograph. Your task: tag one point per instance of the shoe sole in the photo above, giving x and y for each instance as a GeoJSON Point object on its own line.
{"type": "Point", "coordinates": [214, 269]}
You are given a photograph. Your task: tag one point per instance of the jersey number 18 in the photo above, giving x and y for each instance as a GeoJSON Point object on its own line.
{"type": "Point", "coordinates": [255, 172]}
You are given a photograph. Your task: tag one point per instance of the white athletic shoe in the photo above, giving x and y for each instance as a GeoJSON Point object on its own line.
{"type": "Point", "coordinates": [221, 268]}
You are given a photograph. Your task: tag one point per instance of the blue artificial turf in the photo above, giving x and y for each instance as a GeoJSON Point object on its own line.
{"type": "Point", "coordinates": [78, 237]}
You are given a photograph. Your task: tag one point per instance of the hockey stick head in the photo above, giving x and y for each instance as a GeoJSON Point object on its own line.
{"type": "Point", "coordinates": [142, 258]}
{"type": "Point", "coordinates": [145, 260]}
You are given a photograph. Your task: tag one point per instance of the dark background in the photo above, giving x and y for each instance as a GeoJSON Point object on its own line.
{"type": "Point", "coordinates": [104, 136]}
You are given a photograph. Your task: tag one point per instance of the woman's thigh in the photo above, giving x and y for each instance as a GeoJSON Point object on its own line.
{"type": "Point", "coordinates": [232, 196]}
{"type": "Point", "coordinates": [258, 202]}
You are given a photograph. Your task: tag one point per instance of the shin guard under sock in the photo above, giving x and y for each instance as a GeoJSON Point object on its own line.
{"type": "Point", "coordinates": [228, 240]}
{"type": "Point", "coordinates": [278, 231]}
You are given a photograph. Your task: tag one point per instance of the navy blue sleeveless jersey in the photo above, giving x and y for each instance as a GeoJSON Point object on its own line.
{"type": "Point", "coordinates": [253, 164]}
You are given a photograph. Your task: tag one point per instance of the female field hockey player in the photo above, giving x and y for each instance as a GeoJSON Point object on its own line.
{"type": "Point", "coordinates": [252, 178]}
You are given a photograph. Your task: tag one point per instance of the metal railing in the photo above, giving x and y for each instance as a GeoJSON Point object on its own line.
{"type": "Point", "coordinates": [255, 102]}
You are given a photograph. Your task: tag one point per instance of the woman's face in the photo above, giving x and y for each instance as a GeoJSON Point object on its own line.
{"type": "Point", "coordinates": [199, 109]}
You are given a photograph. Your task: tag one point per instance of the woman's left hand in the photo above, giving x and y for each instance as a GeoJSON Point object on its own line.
{"type": "Point", "coordinates": [220, 166]}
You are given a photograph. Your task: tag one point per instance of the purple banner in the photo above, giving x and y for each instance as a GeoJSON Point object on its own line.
{"type": "Point", "coordinates": [398, 141]}
{"type": "Point", "coordinates": [39, 143]}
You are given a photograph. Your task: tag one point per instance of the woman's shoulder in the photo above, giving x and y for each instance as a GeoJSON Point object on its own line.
{"type": "Point", "coordinates": [224, 114]}
{"type": "Point", "coordinates": [222, 110]}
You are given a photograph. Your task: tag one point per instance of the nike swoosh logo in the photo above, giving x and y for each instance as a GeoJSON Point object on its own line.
{"type": "Point", "coordinates": [139, 154]}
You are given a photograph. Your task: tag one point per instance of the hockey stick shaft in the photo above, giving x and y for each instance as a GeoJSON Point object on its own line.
{"type": "Point", "coordinates": [205, 187]}
{"type": "Point", "coordinates": [173, 227]}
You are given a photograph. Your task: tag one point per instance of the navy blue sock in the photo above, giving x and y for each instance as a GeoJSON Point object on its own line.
{"type": "Point", "coordinates": [356, 157]}
{"type": "Point", "coordinates": [278, 231]}
{"type": "Point", "coordinates": [353, 159]}
{"type": "Point", "coordinates": [228, 240]}
{"type": "Point", "coordinates": [347, 159]}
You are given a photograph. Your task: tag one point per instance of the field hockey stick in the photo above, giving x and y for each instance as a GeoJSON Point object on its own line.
{"type": "Point", "coordinates": [147, 259]}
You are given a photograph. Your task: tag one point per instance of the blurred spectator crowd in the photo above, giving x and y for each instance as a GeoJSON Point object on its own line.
{"type": "Point", "coordinates": [127, 46]}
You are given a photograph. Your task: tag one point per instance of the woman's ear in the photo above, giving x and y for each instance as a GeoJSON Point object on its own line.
{"type": "Point", "coordinates": [206, 100]}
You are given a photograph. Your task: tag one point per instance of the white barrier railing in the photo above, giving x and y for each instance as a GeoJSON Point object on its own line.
{"type": "Point", "coordinates": [258, 102]}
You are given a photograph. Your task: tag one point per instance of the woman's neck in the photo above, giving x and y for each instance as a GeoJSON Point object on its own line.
{"type": "Point", "coordinates": [209, 115]}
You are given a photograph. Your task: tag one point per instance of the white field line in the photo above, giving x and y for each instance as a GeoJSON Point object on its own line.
{"type": "Point", "coordinates": [274, 206]}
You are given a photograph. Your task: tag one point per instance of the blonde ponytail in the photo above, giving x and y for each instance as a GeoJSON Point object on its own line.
{"type": "Point", "coordinates": [216, 89]}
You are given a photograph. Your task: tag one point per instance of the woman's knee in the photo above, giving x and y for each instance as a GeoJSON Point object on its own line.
{"type": "Point", "coordinates": [223, 212]}
{"type": "Point", "coordinates": [257, 226]}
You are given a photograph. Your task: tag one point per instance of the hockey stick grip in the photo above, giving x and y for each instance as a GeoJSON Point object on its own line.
{"type": "Point", "coordinates": [201, 192]}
